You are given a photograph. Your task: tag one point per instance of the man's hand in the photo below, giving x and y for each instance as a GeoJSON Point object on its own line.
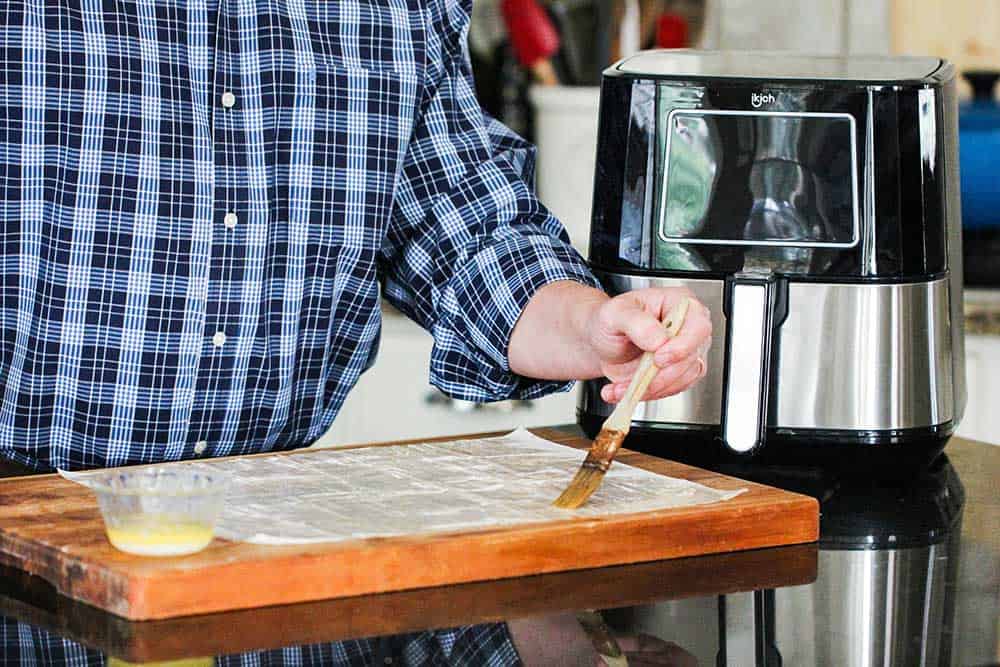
{"type": "Point", "coordinates": [622, 328]}
{"type": "Point", "coordinates": [559, 639]}
{"type": "Point", "coordinates": [572, 332]}
{"type": "Point", "coordinates": [646, 650]}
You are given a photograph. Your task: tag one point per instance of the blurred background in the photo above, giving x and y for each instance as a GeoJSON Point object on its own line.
{"type": "Point", "coordinates": [537, 65]}
{"type": "Point", "coordinates": [578, 38]}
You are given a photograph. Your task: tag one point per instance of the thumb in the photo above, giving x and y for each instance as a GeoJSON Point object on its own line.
{"type": "Point", "coordinates": [641, 326]}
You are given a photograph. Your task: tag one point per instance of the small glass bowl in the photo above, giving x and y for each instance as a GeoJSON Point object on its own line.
{"type": "Point", "coordinates": [160, 511]}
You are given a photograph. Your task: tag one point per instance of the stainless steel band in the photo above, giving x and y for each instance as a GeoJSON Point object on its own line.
{"type": "Point", "coordinates": [861, 611]}
{"type": "Point", "coordinates": [848, 356]}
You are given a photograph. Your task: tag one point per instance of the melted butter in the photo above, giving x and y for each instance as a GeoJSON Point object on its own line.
{"type": "Point", "coordinates": [160, 538]}
{"type": "Point", "coordinates": [187, 662]}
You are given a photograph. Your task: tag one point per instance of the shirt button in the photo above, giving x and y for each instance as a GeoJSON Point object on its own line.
{"type": "Point", "coordinates": [230, 220]}
{"type": "Point", "coordinates": [200, 446]}
{"type": "Point", "coordinates": [228, 100]}
{"type": "Point", "coordinates": [219, 339]}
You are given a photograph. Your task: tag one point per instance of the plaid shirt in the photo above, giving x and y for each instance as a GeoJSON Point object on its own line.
{"type": "Point", "coordinates": [199, 200]}
{"type": "Point", "coordinates": [471, 646]}
{"type": "Point", "coordinates": [198, 203]}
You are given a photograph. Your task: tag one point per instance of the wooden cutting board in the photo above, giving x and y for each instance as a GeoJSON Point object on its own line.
{"type": "Point", "coordinates": [52, 528]}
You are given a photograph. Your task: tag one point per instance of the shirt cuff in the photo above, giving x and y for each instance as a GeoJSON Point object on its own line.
{"type": "Point", "coordinates": [483, 303]}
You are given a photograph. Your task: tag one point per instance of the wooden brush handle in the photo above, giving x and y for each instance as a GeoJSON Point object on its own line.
{"type": "Point", "coordinates": [602, 638]}
{"type": "Point", "coordinates": [621, 417]}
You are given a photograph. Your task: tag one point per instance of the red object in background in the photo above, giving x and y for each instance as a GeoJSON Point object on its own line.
{"type": "Point", "coordinates": [532, 36]}
{"type": "Point", "coordinates": [671, 32]}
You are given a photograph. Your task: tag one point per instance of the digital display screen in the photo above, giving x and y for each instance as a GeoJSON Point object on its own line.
{"type": "Point", "coordinates": [758, 178]}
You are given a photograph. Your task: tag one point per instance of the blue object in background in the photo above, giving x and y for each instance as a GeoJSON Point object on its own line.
{"type": "Point", "coordinates": [979, 145]}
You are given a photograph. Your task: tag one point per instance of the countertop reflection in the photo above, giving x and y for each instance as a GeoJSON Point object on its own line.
{"type": "Point", "coordinates": [908, 573]}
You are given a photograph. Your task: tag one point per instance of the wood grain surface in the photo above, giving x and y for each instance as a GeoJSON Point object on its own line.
{"type": "Point", "coordinates": [51, 528]}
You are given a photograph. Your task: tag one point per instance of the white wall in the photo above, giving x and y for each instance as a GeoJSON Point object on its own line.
{"type": "Point", "coordinates": [828, 27]}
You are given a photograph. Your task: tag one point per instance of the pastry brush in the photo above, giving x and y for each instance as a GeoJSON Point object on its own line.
{"type": "Point", "coordinates": [591, 473]}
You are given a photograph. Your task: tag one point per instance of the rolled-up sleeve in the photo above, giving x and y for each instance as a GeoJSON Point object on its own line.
{"type": "Point", "coordinates": [469, 243]}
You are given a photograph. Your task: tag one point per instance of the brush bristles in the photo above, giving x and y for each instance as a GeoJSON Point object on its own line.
{"type": "Point", "coordinates": [587, 480]}
{"type": "Point", "coordinates": [591, 473]}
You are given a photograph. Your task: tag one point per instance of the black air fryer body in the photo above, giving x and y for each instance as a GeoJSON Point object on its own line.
{"type": "Point", "coordinates": [812, 204]}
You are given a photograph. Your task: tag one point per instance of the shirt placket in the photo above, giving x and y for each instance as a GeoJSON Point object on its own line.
{"type": "Point", "coordinates": [200, 48]}
{"type": "Point", "coordinates": [238, 228]}
{"type": "Point", "coordinates": [215, 379]}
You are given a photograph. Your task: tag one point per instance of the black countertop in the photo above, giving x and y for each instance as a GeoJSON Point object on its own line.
{"type": "Point", "coordinates": [908, 574]}
{"type": "Point", "coordinates": [917, 562]}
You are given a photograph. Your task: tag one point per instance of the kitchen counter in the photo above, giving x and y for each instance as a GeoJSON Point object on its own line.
{"type": "Point", "coordinates": [908, 574]}
{"type": "Point", "coordinates": [969, 615]}
{"type": "Point", "coordinates": [982, 312]}
{"type": "Point", "coordinates": [982, 365]}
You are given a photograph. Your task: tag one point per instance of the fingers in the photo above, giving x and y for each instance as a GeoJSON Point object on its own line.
{"type": "Point", "coordinates": [674, 380]}
{"type": "Point", "coordinates": [634, 322]}
{"type": "Point", "coordinates": [637, 317]}
{"type": "Point", "coordinates": [609, 393]}
{"type": "Point", "coordinates": [703, 348]}
{"type": "Point", "coordinates": [649, 650]}
{"type": "Point", "coordinates": [697, 331]}
{"type": "Point", "coordinates": [642, 326]}
{"type": "Point", "coordinates": [619, 374]}
{"type": "Point", "coordinates": [671, 380]}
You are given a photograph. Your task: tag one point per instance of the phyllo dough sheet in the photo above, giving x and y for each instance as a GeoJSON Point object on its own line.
{"type": "Point", "coordinates": [334, 495]}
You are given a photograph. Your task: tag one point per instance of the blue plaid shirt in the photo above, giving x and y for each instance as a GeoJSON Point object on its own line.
{"type": "Point", "coordinates": [199, 201]}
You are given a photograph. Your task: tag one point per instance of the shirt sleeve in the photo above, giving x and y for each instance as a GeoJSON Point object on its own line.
{"type": "Point", "coordinates": [469, 243]}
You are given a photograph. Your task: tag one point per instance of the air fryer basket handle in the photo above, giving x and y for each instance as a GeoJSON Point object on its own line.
{"type": "Point", "coordinates": [750, 320]}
